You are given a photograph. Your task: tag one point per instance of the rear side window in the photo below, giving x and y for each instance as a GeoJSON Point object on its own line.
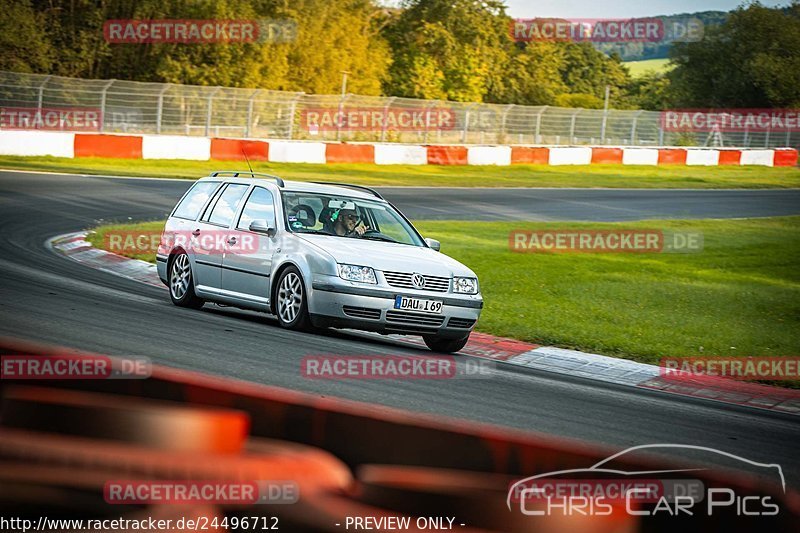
{"type": "Point", "coordinates": [195, 199]}
{"type": "Point", "coordinates": [260, 205]}
{"type": "Point", "coordinates": [226, 205]}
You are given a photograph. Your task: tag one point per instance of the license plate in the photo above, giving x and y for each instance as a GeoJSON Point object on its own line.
{"type": "Point", "coordinates": [417, 304]}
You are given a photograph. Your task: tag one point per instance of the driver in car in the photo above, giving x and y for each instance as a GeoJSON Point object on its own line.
{"type": "Point", "coordinates": [347, 223]}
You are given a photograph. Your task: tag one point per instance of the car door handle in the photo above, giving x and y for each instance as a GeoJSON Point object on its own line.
{"type": "Point", "coordinates": [232, 240]}
{"type": "Point", "coordinates": [196, 232]}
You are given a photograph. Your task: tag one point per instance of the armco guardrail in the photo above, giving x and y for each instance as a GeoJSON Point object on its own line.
{"type": "Point", "coordinates": [163, 108]}
{"type": "Point", "coordinates": [68, 144]}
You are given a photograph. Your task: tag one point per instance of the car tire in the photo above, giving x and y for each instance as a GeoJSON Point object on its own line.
{"type": "Point", "coordinates": [439, 345]}
{"type": "Point", "coordinates": [291, 301]}
{"type": "Point", "coordinates": [181, 283]}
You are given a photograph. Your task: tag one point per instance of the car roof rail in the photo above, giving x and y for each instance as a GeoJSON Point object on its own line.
{"type": "Point", "coordinates": [359, 187]}
{"type": "Point", "coordinates": [245, 173]}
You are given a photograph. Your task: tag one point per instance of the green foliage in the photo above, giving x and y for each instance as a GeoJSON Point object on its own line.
{"type": "Point", "coordinates": [453, 49]}
{"type": "Point", "coordinates": [332, 36]}
{"type": "Point", "coordinates": [588, 101]}
{"type": "Point", "coordinates": [458, 50]}
{"type": "Point", "coordinates": [753, 60]}
{"type": "Point", "coordinates": [24, 45]}
{"type": "Point", "coordinates": [650, 91]}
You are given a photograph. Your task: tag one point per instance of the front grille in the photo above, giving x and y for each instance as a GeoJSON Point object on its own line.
{"type": "Point", "coordinates": [413, 319]}
{"type": "Point", "coordinates": [403, 279]}
{"type": "Point", "coordinates": [362, 312]}
{"type": "Point", "coordinates": [461, 322]}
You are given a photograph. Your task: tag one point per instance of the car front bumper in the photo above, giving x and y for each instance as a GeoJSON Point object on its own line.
{"type": "Point", "coordinates": [335, 302]}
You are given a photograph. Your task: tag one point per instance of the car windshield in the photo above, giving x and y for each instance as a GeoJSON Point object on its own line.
{"type": "Point", "coordinates": [343, 216]}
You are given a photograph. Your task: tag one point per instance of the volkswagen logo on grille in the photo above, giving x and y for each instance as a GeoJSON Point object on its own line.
{"type": "Point", "coordinates": [418, 281]}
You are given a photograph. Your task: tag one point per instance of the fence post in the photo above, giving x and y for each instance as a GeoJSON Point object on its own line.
{"type": "Point", "coordinates": [209, 108]}
{"type": "Point", "coordinates": [766, 137]}
{"type": "Point", "coordinates": [428, 119]}
{"type": "Point", "coordinates": [160, 110]}
{"type": "Point", "coordinates": [572, 126]}
{"type": "Point", "coordinates": [389, 102]}
{"type": "Point", "coordinates": [103, 105]}
{"type": "Point", "coordinates": [41, 93]}
{"type": "Point", "coordinates": [292, 110]}
{"type": "Point", "coordinates": [465, 129]}
{"type": "Point", "coordinates": [537, 138]}
{"type": "Point", "coordinates": [340, 120]}
{"type": "Point", "coordinates": [502, 135]}
{"type": "Point", "coordinates": [633, 127]}
{"type": "Point", "coordinates": [250, 113]}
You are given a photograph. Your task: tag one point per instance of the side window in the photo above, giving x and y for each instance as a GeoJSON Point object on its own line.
{"type": "Point", "coordinates": [226, 204]}
{"type": "Point", "coordinates": [260, 205]}
{"type": "Point", "coordinates": [195, 199]}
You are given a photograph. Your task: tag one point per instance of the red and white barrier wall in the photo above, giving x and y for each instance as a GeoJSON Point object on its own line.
{"type": "Point", "coordinates": [66, 144]}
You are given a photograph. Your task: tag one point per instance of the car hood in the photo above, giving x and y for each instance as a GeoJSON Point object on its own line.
{"type": "Point", "coordinates": [389, 256]}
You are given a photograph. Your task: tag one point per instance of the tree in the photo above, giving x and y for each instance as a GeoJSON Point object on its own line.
{"type": "Point", "coordinates": [23, 40]}
{"type": "Point", "coordinates": [453, 49]}
{"type": "Point", "coordinates": [587, 71]}
{"type": "Point", "coordinates": [752, 60]}
{"type": "Point", "coordinates": [534, 75]}
{"type": "Point", "coordinates": [651, 91]}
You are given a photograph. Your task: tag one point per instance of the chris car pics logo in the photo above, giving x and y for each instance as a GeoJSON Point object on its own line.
{"type": "Point", "coordinates": [603, 490]}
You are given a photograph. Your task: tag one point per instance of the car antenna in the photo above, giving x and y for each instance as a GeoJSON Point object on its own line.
{"type": "Point", "coordinates": [248, 162]}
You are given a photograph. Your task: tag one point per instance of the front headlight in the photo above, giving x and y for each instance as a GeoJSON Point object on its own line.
{"type": "Point", "coordinates": [465, 285]}
{"type": "Point", "coordinates": [361, 274]}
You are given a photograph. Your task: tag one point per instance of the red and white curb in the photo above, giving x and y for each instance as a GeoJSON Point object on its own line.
{"type": "Point", "coordinates": [76, 247]}
{"type": "Point", "coordinates": [77, 144]}
{"type": "Point", "coordinates": [504, 350]}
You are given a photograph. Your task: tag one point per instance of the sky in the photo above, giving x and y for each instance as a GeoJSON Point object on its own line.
{"type": "Point", "coordinates": [620, 8]}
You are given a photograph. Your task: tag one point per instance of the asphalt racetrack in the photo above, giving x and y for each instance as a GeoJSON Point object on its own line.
{"type": "Point", "coordinates": [47, 298]}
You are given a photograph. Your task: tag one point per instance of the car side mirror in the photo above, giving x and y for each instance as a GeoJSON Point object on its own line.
{"type": "Point", "coordinates": [433, 243]}
{"type": "Point", "coordinates": [260, 225]}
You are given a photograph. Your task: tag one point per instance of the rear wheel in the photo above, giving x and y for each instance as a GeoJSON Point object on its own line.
{"type": "Point", "coordinates": [181, 284]}
{"type": "Point", "coordinates": [440, 345]}
{"type": "Point", "coordinates": [291, 303]}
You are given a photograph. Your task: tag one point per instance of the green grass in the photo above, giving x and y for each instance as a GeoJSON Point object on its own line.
{"type": "Point", "coordinates": [740, 296]}
{"type": "Point", "coordinates": [639, 68]}
{"type": "Point", "coordinates": [98, 237]}
{"type": "Point", "coordinates": [439, 176]}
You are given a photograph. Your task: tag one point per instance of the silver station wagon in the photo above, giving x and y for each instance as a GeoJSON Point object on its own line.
{"type": "Point", "coordinates": [314, 255]}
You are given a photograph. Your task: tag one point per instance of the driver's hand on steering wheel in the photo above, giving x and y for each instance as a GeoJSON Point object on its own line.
{"type": "Point", "coordinates": [361, 229]}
